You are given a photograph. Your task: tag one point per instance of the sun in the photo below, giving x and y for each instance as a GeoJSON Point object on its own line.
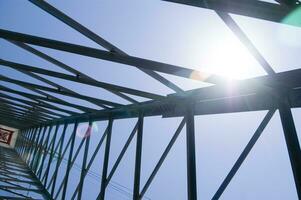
{"type": "Point", "coordinates": [230, 59]}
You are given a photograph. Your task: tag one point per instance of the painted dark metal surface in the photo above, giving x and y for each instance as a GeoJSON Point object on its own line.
{"type": "Point", "coordinates": [39, 120]}
{"type": "Point", "coordinates": [15, 177]}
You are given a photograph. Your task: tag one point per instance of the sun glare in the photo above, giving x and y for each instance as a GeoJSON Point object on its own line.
{"type": "Point", "coordinates": [229, 59]}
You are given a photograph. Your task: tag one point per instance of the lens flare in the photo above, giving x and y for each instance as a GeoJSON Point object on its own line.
{"type": "Point", "coordinates": [200, 76]}
{"type": "Point", "coordinates": [290, 35]}
{"type": "Point", "coordinates": [293, 18]}
{"type": "Point", "coordinates": [228, 58]}
{"type": "Point", "coordinates": [84, 130]}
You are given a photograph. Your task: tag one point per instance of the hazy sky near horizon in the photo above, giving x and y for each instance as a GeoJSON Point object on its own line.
{"type": "Point", "coordinates": [181, 35]}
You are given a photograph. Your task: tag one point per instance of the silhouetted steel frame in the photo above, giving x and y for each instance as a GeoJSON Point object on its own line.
{"type": "Point", "coordinates": [275, 91]}
{"type": "Point", "coordinates": [12, 169]}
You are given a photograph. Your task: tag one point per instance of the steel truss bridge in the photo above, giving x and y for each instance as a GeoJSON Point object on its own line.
{"type": "Point", "coordinates": [29, 161]}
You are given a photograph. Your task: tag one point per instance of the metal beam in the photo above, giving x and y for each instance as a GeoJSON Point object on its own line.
{"type": "Point", "coordinates": [15, 117]}
{"type": "Point", "coordinates": [79, 79]}
{"type": "Point", "coordinates": [33, 104]}
{"type": "Point", "coordinates": [292, 141]}
{"type": "Point", "coordinates": [61, 65]}
{"type": "Point", "coordinates": [27, 108]}
{"type": "Point", "coordinates": [40, 100]}
{"type": "Point", "coordinates": [118, 160]}
{"type": "Point", "coordinates": [102, 192]}
{"type": "Point", "coordinates": [243, 155]}
{"type": "Point", "coordinates": [58, 91]}
{"type": "Point", "coordinates": [54, 177]}
{"type": "Point", "coordinates": [65, 182]}
{"type": "Point", "coordinates": [93, 157]}
{"type": "Point", "coordinates": [162, 158]}
{"type": "Point", "coordinates": [190, 154]}
{"type": "Point", "coordinates": [138, 158]}
{"type": "Point", "coordinates": [97, 39]}
{"type": "Point", "coordinates": [26, 113]}
{"type": "Point", "coordinates": [65, 67]}
{"type": "Point", "coordinates": [173, 107]}
{"type": "Point", "coordinates": [84, 163]}
{"type": "Point", "coordinates": [12, 112]}
{"type": "Point", "coordinates": [47, 100]}
{"type": "Point", "coordinates": [256, 8]}
{"type": "Point", "coordinates": [109, 56]}
{"type": "Point", "coordinates": [10, 156]}
{"type": "Point", "coordinates": [233, 26]}
{"type": "Point", "coordinates": [71, 164]}
{"type": "Point", "coordinates": [46, 174]}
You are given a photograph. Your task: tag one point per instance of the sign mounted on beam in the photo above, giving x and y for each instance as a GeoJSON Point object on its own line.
{"type": "Point", "coordinates": [6, 136]}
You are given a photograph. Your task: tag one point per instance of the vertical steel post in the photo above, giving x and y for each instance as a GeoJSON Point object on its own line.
{"type": "Point", "coordinates": [93, 156]}
{"type": "Point", "coordinates": [36, 149]}
{"type": "Point", "coordinates": [22, 136]}
{"type": "Point", "coordinates": [20, 141]}
{"type": "Point", "coordinates": [45, 152]}
{"type": "Point", "coordinates": [33, 144]}
{"type": "Point", "coordinates": [190, 146]}
{"type": "Point", "coordinates": [24, 148]}
{"type": "Point", "coordinates": [11, 159]}
{"type": "Point", "coordinates": [28, 147]}
{"type": "Point", "coordinates": [51, 154]}
{"type": "Point", "coordinates": [101, 195]}
{"type": "Point", "coordinates": [24, 141]}
{"type": "Point", "coordinates": [39, 150]}
{"type": "Point", "coordinates": [292, 142]}
{"type": "Point", "coordinates": [17, 142]}
{"type": "Point", "coordinates": [243, 155]}
{"type": "Point", "coordinates": [29, 144]}
{"type": "Point", "coordinates": [82, 175]}
{"type": "Point", "coordinates": [136, 192]}
{"type": "Point", "coordinates": [162, 158]}
{"type": "Point", "coordinates": [17, 145]}
{"type": "Point", "coordinates": [69, 161]}
{"type": "Point", "coordinates": [59, 157]}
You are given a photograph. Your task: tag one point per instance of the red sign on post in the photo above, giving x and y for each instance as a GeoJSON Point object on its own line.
{"type": "Point", "coordinates": [5, 136]}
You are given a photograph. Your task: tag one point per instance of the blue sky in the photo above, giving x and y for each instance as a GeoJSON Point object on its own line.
{"type": "Point", "coordinates": [176, 34]}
